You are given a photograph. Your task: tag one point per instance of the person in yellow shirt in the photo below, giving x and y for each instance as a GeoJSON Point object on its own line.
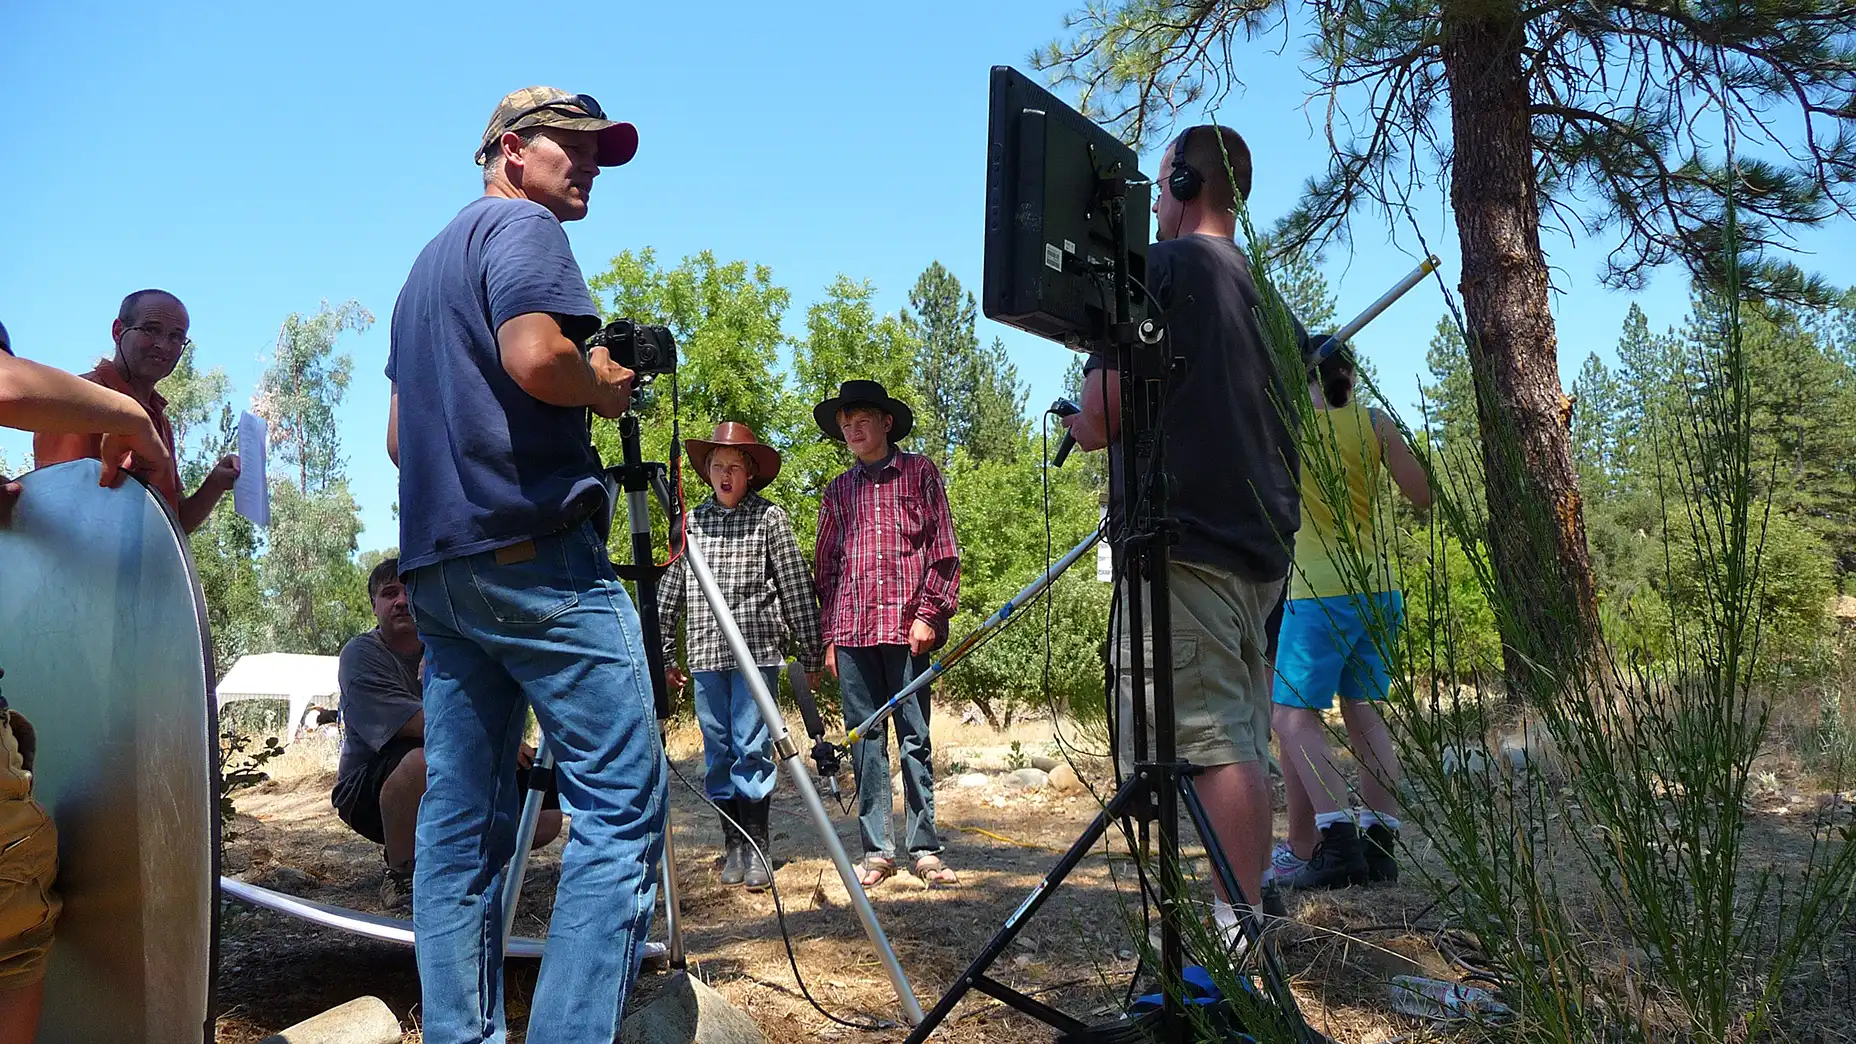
{"type": "Point", "coordinates": [1343, 611]}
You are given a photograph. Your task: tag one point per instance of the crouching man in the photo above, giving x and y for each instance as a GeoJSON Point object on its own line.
{"type": "Point", "coordinates": [382, 771]}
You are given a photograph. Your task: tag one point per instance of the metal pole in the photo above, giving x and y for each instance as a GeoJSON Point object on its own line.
{"type": "Point", "coordinates": [788, 754]}
{"type": "Point", "coordinates": [1345, 333]}
{"type": "Point", "coordinates": [525, 838]}
{"type": "Point", "coordinates": [673, 893]}
{"type": "Point", "coordinates": [636, 478]}
{"type": "Point", "coordinates": [972, 641]}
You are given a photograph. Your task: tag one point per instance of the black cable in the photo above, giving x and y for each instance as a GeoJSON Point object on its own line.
{"type": "Point", "coordinates": [779, 910]}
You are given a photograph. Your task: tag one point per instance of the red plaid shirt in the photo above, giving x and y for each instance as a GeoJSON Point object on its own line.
{"type": "Point", "coordinates": [886, 553]}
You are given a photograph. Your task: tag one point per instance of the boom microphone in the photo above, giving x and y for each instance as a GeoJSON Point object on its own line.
{"type": "Point", "coordinates": [825, 754]}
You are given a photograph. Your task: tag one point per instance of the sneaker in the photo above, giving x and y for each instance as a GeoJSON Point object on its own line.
{"type": "Point", "coordinates": [1339, 861]}
{"type": "Point", "coordinates": [1381, 862]}
{"type": "Point", "coordinates": [396, 890]}
{"type": "Point", "coordinates": [1283, 863]}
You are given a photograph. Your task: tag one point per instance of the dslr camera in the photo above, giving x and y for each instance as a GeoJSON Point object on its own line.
{"type": "Point", "coordinates": [645, 350]}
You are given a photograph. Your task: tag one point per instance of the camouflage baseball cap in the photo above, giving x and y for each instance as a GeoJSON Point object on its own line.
{"type": "Point", "coordinates": [553, 107]}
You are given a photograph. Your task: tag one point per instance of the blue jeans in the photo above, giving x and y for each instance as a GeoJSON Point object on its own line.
{"type": "Point", "coordinates": [548, 628]}
{"type": "Point", "coordinates": [736, 746]}
{"type": "Point", "coordinates": [866, 678]}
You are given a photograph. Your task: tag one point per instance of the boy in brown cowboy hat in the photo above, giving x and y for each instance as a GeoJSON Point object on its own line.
{"type": "Point", "coordinates": [750, 546]}
{"type": "Point", "coordinates": [888, 582]}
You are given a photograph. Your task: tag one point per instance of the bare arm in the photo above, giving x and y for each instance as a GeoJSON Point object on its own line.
{"type": "Point", "coordinates": [545, 363]}
{"type": "Point", "coordinates": [1099, 423]}
{"type": "Point", "coordinates": [38, 398]}
{"type": "Point", "coordinates": [195, 510]}
{"type": "Point", "coordinates": [1407, 473]}
{"type": "Point", "coordinates": [393, 427]}
{"type": "Point", "coordinates": [414, 727]}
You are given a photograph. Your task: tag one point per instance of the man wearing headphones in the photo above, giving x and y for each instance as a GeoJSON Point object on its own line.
{"type": "Point", "coordinates": [1231, 460]}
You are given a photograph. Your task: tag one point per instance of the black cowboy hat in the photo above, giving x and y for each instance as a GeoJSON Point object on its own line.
{"type": "Point", "coordinates": [863, 393]}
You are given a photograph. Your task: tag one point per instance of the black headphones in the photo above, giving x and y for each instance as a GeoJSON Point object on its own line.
{"type": "Point", "coordinates": [1184, 181]}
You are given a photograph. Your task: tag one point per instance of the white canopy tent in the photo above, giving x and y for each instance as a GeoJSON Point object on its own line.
{"type": "Point", "coordinates": [300, 680]}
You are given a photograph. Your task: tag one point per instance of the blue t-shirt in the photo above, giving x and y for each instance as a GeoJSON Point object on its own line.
{"type": "Point", "coordinates": [484, 464]}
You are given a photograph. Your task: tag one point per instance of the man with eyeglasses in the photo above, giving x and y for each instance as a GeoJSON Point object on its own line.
{"type": "Point", "coordinates": [503, 554]}
{"type": "Point", "coordinates": [150, 332]}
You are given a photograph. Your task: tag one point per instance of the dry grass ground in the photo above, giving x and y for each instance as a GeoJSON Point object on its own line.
{"type": "Point", "coordinates": [1076, 955]}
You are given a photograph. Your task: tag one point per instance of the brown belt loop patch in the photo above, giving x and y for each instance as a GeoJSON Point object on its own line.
{"type": "Point", "coordinates": [523, 552]}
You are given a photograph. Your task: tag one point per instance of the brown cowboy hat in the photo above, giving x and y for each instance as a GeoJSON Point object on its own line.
{"type": "Point", "coordinates": [735, 435]}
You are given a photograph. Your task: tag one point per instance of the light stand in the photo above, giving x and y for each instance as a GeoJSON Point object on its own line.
{"type": "Point", "coordinates": [1153, 793]}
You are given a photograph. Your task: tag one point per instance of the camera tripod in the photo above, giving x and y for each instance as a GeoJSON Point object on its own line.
{"type": "Point", "coordinates": [1154, 792]}
{"type": "Point", "coordinates": [639, 479]}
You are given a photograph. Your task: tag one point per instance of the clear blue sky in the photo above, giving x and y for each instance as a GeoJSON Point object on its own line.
{"type": "Point", "coordinates": [259, 158]}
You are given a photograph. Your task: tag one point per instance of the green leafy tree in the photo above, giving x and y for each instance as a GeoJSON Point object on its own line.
{"type": "Point", "coordinates": [845, 338]}
{"type": "Point", "coordinates": [299, 391]}
{"type": "Point", "coordinates": [1298, 278]}
{"type": "Point", "coordinates": [999, 514]}
{"type": "Point", "coordinates": [966, 396]}
{"type": "Point", "coordinates": [1606, 119]}
{"type": "Point", "coordinates": [1598, 417]}
{"type": "Point", "coordinates": [315, 593]}
{"type": "Point", "coordinates": [726, 318]}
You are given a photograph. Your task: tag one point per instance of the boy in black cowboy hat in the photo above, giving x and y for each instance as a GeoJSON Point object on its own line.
{"type": "Point", "coordinates": [888, 582]}
{"type": "Point", "coordinates": [750, 546]}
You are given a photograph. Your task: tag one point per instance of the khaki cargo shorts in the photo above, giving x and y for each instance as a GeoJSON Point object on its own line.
{"type": "Point", "coordinates": [1221, 678]}
{"type": "Point", "coordinates": [28, 864]}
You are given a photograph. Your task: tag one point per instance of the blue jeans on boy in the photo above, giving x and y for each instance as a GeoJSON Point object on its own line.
{"type": "Point", "coordinates": [868, 677]}
{"type": "Point", "coordinates": [544, 626]}
{"type": "Point", "coordinates": [737, 748]}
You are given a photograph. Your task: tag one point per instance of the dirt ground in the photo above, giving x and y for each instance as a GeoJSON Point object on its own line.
{"type": "Point", "coordinates": [1076, 955]}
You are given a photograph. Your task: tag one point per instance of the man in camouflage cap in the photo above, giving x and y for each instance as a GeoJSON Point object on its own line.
{"type": "Point", "coordinates": [503, 555]}
{"type": "Point", "coordinates": [552, 107]}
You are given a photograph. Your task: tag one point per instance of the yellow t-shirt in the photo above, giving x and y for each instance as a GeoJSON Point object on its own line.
{"type": "Point", "coordinates": [1341, 465]}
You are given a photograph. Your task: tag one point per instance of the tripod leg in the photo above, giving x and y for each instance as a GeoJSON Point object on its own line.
{"type": "Point", "coordinates": [975, 976]}
{"type": "Point", "coordinates": [673, 897]}
{"type": "Point", "coordinates": [538, 779]}
{"type": "Point", "coordinates": [1275, 979]}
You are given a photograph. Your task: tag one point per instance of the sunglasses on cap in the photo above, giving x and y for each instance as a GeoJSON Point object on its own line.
{"type": "Point", "coordinates": [585, 102]}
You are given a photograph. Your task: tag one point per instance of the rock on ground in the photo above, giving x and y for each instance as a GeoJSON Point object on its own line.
{"type": "Point", "coordinates": [686, 1011]}
{"type": "Point", "coordinates": [364, 1020]}
{"type": "Point", "coordinates": [1063, 779]}
{"type": "Point", "coordinates": [1028, 779]}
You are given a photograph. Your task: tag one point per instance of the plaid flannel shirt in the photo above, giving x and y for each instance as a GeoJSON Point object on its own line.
{"type": "Point", "coordinates": [886, 553]}
{"type": "Point", "coordinates": [756, 561]}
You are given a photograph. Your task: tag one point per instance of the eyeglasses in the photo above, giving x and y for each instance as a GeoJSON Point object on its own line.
{"type": "Point", "coordinates": [584, 102]}
{"type": "Point", "coordinates": [177, 338]}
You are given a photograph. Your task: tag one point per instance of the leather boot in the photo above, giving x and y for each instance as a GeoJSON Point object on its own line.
{"type": "Point", "coordinates": [734, 865]}
{"type": "Point", "coordinates": [1339, 860]}
{"type": "Point", "coordinates": [759, 864]}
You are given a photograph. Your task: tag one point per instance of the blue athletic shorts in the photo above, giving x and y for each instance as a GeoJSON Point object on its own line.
{"type": "Point", "coordinates": [1327, 646]}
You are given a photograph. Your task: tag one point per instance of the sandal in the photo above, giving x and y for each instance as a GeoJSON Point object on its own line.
{"type": "Point", "coordinates": [934, 872]}
{"type": "Point", "coordinates": [876, 870]}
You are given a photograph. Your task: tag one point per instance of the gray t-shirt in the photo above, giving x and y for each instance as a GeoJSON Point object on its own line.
{"type": "Point", "coordinates": [380, 693]}
{"type": "Point", "coordinates": [1228, 449]}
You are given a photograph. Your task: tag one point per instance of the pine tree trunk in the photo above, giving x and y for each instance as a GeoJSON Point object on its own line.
{"type": "Point", "coordinates": [1548, 616]}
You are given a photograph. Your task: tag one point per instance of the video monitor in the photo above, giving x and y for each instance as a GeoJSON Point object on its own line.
{"type": "Point", "coordinates": [1049, 237]}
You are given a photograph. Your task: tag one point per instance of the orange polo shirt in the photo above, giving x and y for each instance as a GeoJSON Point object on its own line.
{"type": "Point", "coordinates": [56, 449]}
